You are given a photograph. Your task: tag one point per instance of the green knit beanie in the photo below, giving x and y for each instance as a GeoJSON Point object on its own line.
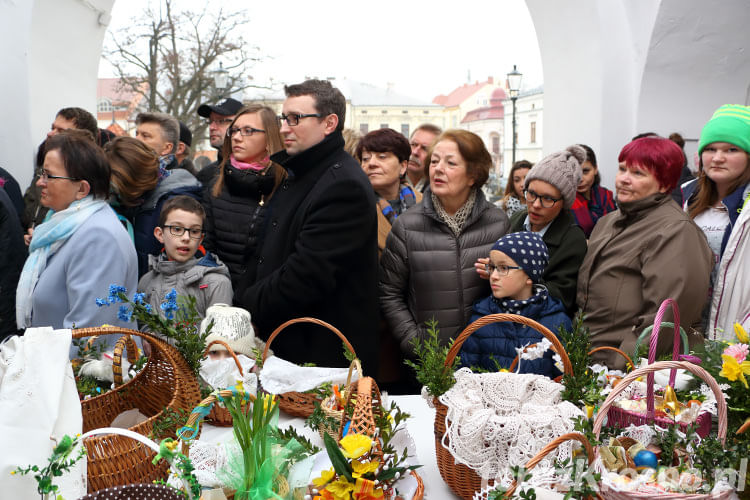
{"type": "Point", "coordinates": [730, 123]}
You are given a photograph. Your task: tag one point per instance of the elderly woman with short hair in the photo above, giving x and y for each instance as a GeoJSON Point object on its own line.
{"type": "Point", "coordinates": [81, 248]}
{"type": "Point", "coordinates": [646, 251]}
{"type": "Point", "coordinates": [427, 265]}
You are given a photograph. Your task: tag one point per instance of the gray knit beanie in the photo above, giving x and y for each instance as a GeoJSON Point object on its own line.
{"type": "Point", "coordinates": [562, 170]}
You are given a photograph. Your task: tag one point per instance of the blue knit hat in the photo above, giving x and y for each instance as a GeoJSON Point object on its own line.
{"type": "Point", "coordinates": [528, 250]}
{"type": "Point", "coordinates": [730, 123]}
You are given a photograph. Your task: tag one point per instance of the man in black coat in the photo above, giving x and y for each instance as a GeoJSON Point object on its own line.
{"type": "Point", "coordinates": [319, 251]}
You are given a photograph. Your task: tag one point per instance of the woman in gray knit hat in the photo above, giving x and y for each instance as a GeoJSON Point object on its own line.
{"type": "Point", "coordinates": [550, 190]}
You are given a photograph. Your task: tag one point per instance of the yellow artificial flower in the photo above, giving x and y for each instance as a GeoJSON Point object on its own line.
{"type": "Point", "coordinates": [362, 468]}
{"type": "Point", "coordinates": [732, 370]}
{"type": "Point", "coordinates": [340, 489]}
{"type": "Point", "coordinates": [325, 477]}
{"type": "Point", "coordinates": [741, 334]}
{"type": "Point", "coordinates": [355, 445]}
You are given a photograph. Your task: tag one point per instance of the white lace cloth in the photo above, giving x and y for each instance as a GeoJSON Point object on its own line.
{"type": "Point", "coordinates": [279, 376]}
{"type": "Point", "coordinates": [222, 373]}
{"type": "Point", "coordinates": [497, 420]}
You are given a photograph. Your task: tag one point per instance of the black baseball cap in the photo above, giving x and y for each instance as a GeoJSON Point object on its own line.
{"type": "Point", "coordinates": [185, 135]}
{"type": "Point", "coordinates": [227, 107]}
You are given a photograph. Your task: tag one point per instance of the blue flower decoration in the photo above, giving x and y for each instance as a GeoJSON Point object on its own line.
{"type": "Point", "coordinates": [149, 309]}
{"type": "Point", "coordinates": [139, 298]}
{"type": "Point", "coordinates": [102, 302]}
{"type": "Point", "coordinates": [171, 296]}
{"type": "Point", "coordinates": [114, 290]}
{"type": "Point", "coordinates": [124, 313]}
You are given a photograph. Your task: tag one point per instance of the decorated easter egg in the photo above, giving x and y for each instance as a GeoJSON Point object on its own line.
{"type": "Point", "coordinates": [645, 459]}
{"type": "Point", "coordinates": [346, 428]}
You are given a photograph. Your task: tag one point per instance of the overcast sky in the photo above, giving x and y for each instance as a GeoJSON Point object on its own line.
{"type": "Point", "coordinates": [424, 48]}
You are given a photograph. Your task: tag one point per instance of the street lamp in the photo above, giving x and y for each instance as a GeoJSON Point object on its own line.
{"type": "Point", "coordinates": [221, 79]}
{"type": "Point", "coordinates": [514, 85]}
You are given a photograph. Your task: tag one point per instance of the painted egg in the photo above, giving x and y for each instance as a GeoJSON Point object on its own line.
{"type": "Point", "coordinates": [646, 459]}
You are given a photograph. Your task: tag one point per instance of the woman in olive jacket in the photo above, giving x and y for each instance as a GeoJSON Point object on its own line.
{"type": "Point", "coordinates": [427, 266]}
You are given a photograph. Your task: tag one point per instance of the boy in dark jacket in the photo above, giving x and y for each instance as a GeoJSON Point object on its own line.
{"type": "Point", "coordinates": [516, 265]}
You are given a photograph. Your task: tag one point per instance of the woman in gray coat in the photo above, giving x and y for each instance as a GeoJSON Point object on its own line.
{"type": "Point", "coordinates": [427, 267]}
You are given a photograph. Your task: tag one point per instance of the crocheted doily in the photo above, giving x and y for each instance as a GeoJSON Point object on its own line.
{"type": "Point", "coordinates": [497, 420]}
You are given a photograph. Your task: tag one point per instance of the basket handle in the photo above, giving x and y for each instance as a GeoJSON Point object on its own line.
{"type": "Point", "coordinates": [652, 350]}
{"type": "Point", "coordinates": [229, 350]}
{"type": "Point", "coordinates": [662, 365]}
{"type": "Point", "coordinates": [515, 318]}
{"type": "Point", "coordinates": [613, 349]}
{"type": "Point", "coordinates": [126, 341]}
{"type": "Point", "coordinates": [190, 430]}
{"type": "Point", "coordinates": [320, 322]}
{"type": "Point", "coordinates": [141, 439]}
{"type": "Point", "coordinates": [549, 448]}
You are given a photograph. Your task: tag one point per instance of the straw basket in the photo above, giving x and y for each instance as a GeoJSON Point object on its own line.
{"type": "Point", "coordinates": [329, 403]}
{"type": "Point", "coordinates": [145, 491]}
{"type": "Point", "coordinates": [219, 415]}
{"type": "Point", "coordinates": [364, 403]}
{"type": "Point", "coordinates": [619, 417]}
{"type": "Point", "coordinates": [165, 382]}
{"type": "Point", "coordinates": [301, 404]}
{"type": "Point", "coordinates": [610, 494]}
{"type": "Point", "coordinates": [462, 480]}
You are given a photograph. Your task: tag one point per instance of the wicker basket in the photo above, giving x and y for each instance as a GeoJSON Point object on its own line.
{"type": "Point", "coordinates": [463, 480]}
{"type": "Point", "coordinates": [142, 491]}
{"type": "Point", "coordinates": [165, 382]}
{"type": "Point", "coordinates": [365, 404]}
{"type": "Point", "coordinates": [326, 404]}
{"type": "Point", "coordinates": [301, 404]}
{"type": "Point", "coordinates": [219, 415]}
{"type": "Point", "coordinates": [721, 404]}
{"type": "Point", "coordinates": [552, 446]}
{"type": "Point", "coordinates": [619, 417]}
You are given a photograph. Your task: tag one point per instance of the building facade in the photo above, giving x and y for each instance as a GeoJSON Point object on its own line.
{"type": "Point", "coordinates": [529, 126]}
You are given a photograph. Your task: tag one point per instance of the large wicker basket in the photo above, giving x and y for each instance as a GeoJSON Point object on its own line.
{"type": "Point", "coordinates": [164, 382]}
{"type": "Point", "coordinates": [610, 494]}
{"type": "Point", "coordinates": [301, 404]}
{"type": "Point", "coordinates": [619, 417]}
{"type": "Point", "coordinates": [463, 480]}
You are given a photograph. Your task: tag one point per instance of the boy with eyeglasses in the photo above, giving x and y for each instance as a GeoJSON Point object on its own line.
{"type": "Point", "coordinates": [516, 265]}
{"type": "Point", "coordinates": [183, 264]}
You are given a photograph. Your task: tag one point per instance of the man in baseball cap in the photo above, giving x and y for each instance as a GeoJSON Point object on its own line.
{"type": "Point", "coordinates": [219, 117]}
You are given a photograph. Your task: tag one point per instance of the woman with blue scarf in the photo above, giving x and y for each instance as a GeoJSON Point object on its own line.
{"type": "Point", "coordinates": [81, 248]}
{"type": "Point", "coordinates": [384, 154]}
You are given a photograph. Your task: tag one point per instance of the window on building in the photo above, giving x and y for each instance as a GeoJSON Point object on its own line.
{"type": "Point", "coordinates": [405, 111]}
{"type": "Point", "coordinates": [385, 111]}
{"type": "Point", "coordinates": [364, 111]}
{"type": "Point", "coordinates": [363, 128]}
{"type": "Point", "coordinates": [405, 129]}
{"type": "Point", "coordinates": [496, 143]}
{"type": "Point", "coordinates": [104, 106]}
{"type": "Point", "coordinates": [426, 112]}
{"type": "Point", "coordinates": [383, 125]}
{"type": "Point", "coordinates": [533, 105]}
{"type": "Point", "coordinates": [532, 133]}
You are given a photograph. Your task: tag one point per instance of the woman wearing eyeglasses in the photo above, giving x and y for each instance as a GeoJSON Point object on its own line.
{"type": "Point", "coordinates": [139, 189]}
{"type": "Point", "coordinates": [80, 248]}
{"type": "Point", "coordinates": [426, 267]}
{"type": "Point", "coordinates": [644, 252]}
{"type": "Point", "coordinates": [236, 202]}
{"type": "Point", "coordinates": [550, 189]}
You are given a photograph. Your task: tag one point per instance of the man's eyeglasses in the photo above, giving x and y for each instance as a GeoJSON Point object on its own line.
{"type": "Point", "coordinates": [502, 269]}
{"type": "Point", "coordinates": [292, 119]}
{"type": "Point", "coordinates": [546, 201]}
{"type": "Point", "coordinates": [45, 176]}
{"type": "Point", "coordinates": [195, 233]}
{"type": "Point", "coordinates": [244, 131]}
{"type": "Point", "coordinates": [220, 121]}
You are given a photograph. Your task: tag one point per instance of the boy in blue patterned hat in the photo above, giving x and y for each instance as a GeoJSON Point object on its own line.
{"type": "Point", "coordinates": [516, 264]}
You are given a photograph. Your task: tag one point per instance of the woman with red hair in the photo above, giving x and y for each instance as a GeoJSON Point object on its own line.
{"type": "Point", "coordinates": [646, 251]}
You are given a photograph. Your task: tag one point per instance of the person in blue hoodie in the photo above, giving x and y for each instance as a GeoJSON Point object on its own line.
{"type": "Point", "coordinates": [516, 264]}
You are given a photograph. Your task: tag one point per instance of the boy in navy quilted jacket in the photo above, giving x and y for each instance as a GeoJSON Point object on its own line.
{"type": "Point", "coordinates": [516, 265]}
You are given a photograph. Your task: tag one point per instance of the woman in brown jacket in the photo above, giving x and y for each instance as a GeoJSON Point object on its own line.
{"type": "Point", "coordinates": [646, 251]}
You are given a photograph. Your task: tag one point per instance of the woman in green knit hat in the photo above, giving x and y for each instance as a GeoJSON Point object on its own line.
{"type": "Point", "coordinates": [715, 201]}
